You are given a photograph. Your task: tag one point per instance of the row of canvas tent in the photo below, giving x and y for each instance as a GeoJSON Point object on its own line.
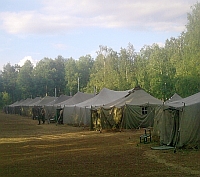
{"type": "Point", "coordinates": [25, 107]}
{"type": "Point", "coordinates": [137, 105]}
{"type": "Point", "coordinates": [109, 109]}
{"type": "Point", "coordinates": [176, 122]}
{"type": "Point", "coordinates": [82, 109]}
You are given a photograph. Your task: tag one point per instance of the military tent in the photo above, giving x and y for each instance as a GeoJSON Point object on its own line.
{"type": "Point", "coordinates": [50, 108]}
{"type": "Point", "coordinates": [175, 97]}
{"type": "Point", "coordinates": [40, 103]}
{"type": "Point", "coordinates": [77, 98]}
{"type": "Point", "coordinates": [27, 108]}
{"type": "Point", "coordinates": [10, 109]}
{"type": "Point", "coordinates": [20, 108]}
{"type": "Point", "coordinates": [80, 114]}
{"type": "Point", "coordinates": [59, 100]}
{"type": "Point", "coordinates": [16, 108]}
{"type": "Point", "coordinates": [135, 110]}
{"type": "Point", "coordinates": [178, 123]}
{"type": "Point", "coordinates": [45, 101]}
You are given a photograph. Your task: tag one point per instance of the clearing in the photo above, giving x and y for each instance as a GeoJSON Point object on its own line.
{"type": "Point", "coordinates": [28, 149]}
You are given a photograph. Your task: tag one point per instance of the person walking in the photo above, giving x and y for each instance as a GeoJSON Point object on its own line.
{"type": "Point", "coordinates": [43, 115]}
{"type": "Point", "coordinates": [60, 118]}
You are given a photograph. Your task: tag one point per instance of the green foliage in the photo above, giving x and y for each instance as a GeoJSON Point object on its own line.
{"type": "Point", "coordinates": [9, 78]}
{"type": "Point", "coordinates": [84, 67]}
{"type": "Point", "coordinates": [25, 81]}
{"type": "Point", "coordinates": [48, 75]}
{"type": "Point", "coordinates": [71, 76]}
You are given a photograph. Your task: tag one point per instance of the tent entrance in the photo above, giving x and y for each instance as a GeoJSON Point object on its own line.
{"type": "Point", "coordinates": [175, 127]}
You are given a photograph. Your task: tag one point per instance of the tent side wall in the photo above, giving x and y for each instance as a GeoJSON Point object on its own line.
{"type": "Point", "coordinates": [50, 111]}
{"type": "Point", "coordinates": [125, 117]}
{"type": "Point", "coordinates": [26, 111]}
{"type": "Point", "coordinates": [190, 126]}
{"type": "Point", "coordinates": [81, 116]}
{"type": "Point", "coordinates": [166, 124]}
{"type": "Point", "coordinates": [178, 127]}
{"type": "Point", "coordinates": [135, 117]}
{"type": "Point", "coordinates": [69, 115]}
{"type": "Point", "coordinates": [85, 116]}
{"type": "Point", "coordinates": [106, 118]}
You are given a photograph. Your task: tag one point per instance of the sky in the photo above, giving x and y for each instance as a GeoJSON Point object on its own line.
{"type": "Point", "coordinates": [35, 29]}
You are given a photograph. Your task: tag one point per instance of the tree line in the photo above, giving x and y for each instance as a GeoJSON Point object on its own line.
{"type": "Point", "coordinates": [159, 70]}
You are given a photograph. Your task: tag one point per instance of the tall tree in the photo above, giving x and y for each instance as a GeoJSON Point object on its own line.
{"type": "Point", "coordinates": [141, 64]}
{"type": "Point", "coordinates": [127, 68]}
{"type": "Point", "coordinates": [84, 67]}
{"type": "Point", "coordinates": [71, 76]}
{"type": "Point", "coordinates": [24, 80]}
{"type": "Point", "coordinates": [49, 77]}
{"type": "Point", "coordinates": [105, 71]}
{"type": "Point", "coordinates": [9, 77]}
{"type": "Point", "coordinates": [58, 75]}
{"type": "Point", "coordinates": [189, 70]}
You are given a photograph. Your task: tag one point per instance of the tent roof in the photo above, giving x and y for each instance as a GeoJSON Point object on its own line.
{"type": "Point", "coordinates": [25, 102]}
{"type": "Point", "coordinates": [21, 102]}
{"type": "Point", "coordinates": [175, 97]}
{"type": "Point", "coordinates": [136, 97]}
{"type": "Point", "coordinates": [60, 99]}
{"type": "Point", "coordinates": [44, 101]}
{"type": "Point", "coordinates": [37, 99]}
{"type": "Point", "coordinates": [77, 98]}
{"type": "Point", "coordinates": [16, 103]}
{"type": "Point", "coordinates": [193, 99]}
{"type": "Point", "coordinates": [104, 97]}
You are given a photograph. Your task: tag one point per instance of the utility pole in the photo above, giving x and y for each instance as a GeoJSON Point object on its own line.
{"type": "Point", "coordinates": [78, 84]}
{"type": "Point", "coordinates": [46, 90]}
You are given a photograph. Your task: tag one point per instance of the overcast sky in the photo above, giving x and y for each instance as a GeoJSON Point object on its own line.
{"type": "Point", "coordinates": [34, 29]}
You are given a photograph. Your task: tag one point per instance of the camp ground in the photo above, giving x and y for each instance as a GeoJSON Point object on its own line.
{"type": "Point", "coordinates": [134, 110]}
{"type": "Point", "coordinates": [177, 123]}
{"type": "Point", "coordinates": [27, 149]}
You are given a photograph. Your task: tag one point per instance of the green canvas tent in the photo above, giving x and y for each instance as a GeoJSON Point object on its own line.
{"type": "Point", "coordinates": [10, 109]}
{"type": "Point", "coordinates": [80, 114]}
{"type": "Point", "coordinates": [175, 97]}
{"type": "Point", "coordinates": [178, 123]}
{"type": "Point", "coordinates": [132, 111]}
{"type": "Point", "coordinates": [51, 107]}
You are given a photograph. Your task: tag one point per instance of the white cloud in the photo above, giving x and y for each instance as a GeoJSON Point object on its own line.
{"type": "Point", "coordinates": [22, 61]}
{"type": "Point", "coordinates": [64, 15]}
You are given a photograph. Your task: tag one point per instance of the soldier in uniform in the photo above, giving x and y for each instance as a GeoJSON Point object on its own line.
{"type": "Point", "coordinates": [41, 116]}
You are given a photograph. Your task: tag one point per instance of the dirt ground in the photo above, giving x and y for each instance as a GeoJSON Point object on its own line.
{"type": "Point", "coordinates": [28, 149]}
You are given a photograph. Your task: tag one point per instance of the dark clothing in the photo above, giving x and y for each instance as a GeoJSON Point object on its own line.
{"type": "Point", "coordinates": [35, 113]}
{"type": "Point", "coordinates": [41, 116]}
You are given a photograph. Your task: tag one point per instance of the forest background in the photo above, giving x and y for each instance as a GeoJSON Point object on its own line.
{"type": "Point", "coordinates": [159, 70]}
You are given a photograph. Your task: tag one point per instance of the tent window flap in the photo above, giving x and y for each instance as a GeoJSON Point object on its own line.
{"type": "Point", "coordinates": [144, 110]}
